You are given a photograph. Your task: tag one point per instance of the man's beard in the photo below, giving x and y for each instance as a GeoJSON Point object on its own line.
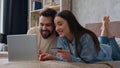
{"type": "Point", "coordinates": [46, 35]}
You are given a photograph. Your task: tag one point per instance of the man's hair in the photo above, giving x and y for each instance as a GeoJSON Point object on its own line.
{"type": "Point", "coordinates": [49, 12]}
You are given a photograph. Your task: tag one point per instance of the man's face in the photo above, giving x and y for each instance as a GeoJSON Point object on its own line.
{"type": "Point", "coordinates": [46, 26]}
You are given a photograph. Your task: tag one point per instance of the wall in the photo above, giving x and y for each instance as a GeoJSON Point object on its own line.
{"type": "Point", "coordinates": [65, 4]}
{"type": "Point", "coordinates": [90, 11]}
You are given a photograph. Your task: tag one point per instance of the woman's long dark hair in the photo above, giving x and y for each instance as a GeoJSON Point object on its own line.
{"type": "Point", "coordinates": [77, 29]}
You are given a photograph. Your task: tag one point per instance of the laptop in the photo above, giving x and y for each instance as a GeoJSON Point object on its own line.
{"type": "Point", "coordinates": [22, 47]}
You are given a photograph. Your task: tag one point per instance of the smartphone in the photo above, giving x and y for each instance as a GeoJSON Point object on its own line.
{"type": "Point", "coordinates": [55, 49]}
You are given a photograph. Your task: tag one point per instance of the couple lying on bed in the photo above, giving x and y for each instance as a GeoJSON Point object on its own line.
{"type": "Point", "coordinates": [79, 44]}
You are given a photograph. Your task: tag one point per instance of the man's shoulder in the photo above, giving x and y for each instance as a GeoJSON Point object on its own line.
{"type": "Point", "coordinates": [33, 30]}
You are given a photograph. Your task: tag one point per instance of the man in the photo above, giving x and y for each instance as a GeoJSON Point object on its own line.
{"type": "Point", "coordinates": [45, 31]}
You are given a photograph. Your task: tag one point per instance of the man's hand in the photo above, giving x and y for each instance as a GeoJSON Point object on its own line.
{"type": "Point", "coordinates": [46, 56]}
{"type": "Point", "coordinates": [39, 52]}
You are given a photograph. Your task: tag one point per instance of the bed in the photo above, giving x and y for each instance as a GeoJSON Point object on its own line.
{"type": "Point", "coordinates": [4, 63]}
{"type": "Point", "coordinates": [115, 31]}
{"type": "Point", "coordinates": [95, 27]}
{"type": "Point", "coordinates": [114, 27]}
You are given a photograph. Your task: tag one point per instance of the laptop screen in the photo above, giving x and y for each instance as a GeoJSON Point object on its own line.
{"type": "Point", "coordinates": [22, 47]}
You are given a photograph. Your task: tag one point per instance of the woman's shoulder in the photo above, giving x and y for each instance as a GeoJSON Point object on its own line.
{"type": "Point", "coordinates": [86, 36]}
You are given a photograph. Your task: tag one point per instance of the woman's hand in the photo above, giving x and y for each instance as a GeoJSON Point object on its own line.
{"type": "Point", "coordinates": [65, 54]}
{"type": "Point", "coordinates": [46, 56]}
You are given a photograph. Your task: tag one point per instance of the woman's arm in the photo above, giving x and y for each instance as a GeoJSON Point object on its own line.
{"type": "Point", "coordinates": [88, 52]}
{"type": "Point", "coordinates": [64, 54]}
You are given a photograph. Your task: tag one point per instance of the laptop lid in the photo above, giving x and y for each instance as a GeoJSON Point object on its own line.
{"type": "Point", "coordinates": [22, 47]}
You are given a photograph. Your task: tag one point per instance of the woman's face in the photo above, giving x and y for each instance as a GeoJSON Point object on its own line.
{"type": "Point", "coordinates": [62, 27]}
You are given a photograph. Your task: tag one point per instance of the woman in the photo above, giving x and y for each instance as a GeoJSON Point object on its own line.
{"type": "Point", "coordinates": [78, 44]}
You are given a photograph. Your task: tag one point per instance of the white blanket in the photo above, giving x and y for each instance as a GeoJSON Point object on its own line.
{"type": "Point", "coordinates": [4, 63]}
